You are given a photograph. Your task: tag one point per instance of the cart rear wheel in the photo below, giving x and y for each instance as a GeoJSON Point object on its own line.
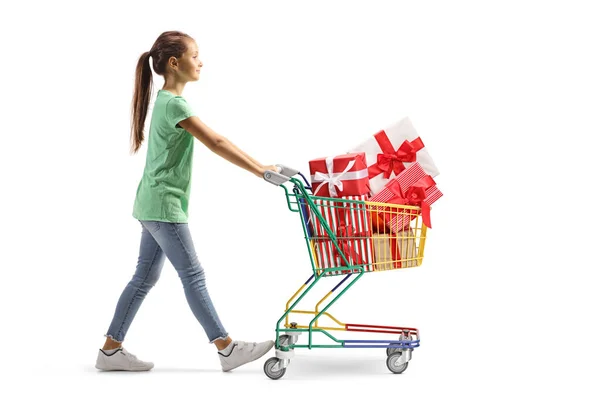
{"type": "Point", "coordinates": [268, 368]}
{"type": "Point", "coordinates": [284, 340]}
{"type": "Point", "coordinates": [288, 340]}
{"type": "Point", "coordinates": [391, 363]}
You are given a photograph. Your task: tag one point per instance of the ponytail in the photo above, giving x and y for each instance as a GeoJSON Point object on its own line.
{"type": "Point", "coordinates": [141, 100]}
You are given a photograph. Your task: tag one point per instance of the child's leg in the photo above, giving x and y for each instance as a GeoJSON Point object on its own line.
{"type": "Point", "coordinates": [222, 343]}
{"type": "Point", "coordinates": [176, 241]}
{"type": "Point", "coordinates": [150, 262]}
{"type": "Point", "coordinates": [111, 344]}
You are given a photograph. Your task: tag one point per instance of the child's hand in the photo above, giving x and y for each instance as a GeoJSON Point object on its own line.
{"type": "Point", "coordinates": [271, 168]}
{"type": "Point", "coordinates": [266, 168]}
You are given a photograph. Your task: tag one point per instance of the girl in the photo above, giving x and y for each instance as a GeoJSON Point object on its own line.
{"type": "Point", "coordinates": [161, 203]}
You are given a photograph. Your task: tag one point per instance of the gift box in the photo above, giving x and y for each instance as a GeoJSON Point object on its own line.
{"type": "Point", "coordinates": [391, 151]}
{"type": "Point", "coordinates": [413, 187]}
{"type": "Point", "coordinates": [378, 224]}
{"type": "Point", "coordinates": [350, 223]}
{"type": "Point", "coordinates": [325, 252]}
{"type": "Point", "coordinates": [340, 176]}
{"type": "Point", "coordinates": [356, 234]}
{"type": "Point", "coordinates": [395, 251]}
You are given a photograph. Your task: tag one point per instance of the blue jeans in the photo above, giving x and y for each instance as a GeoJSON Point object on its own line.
{"type": "Point", "coordinates": [174, 241]}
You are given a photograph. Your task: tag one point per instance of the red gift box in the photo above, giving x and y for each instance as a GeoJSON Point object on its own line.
{"type": "Point", "coordinates": [351, 225]}
{"type": "Point", "coordinates": [340, 176]}
{"type": "Point", "coordinates": [412, 187]}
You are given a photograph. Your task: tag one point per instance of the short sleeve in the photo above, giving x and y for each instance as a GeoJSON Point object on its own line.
{"type": "Point", "coordinates": [177, 110]}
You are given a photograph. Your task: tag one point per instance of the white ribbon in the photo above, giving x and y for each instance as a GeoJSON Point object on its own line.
{"type": "Point", "coordinates": [335, 179]}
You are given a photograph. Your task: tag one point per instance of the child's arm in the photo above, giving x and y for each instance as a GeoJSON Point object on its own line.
{"type": "Point", "coordinates": [222, 146]}
{"type": "Point", "coordinates": [259, 165]}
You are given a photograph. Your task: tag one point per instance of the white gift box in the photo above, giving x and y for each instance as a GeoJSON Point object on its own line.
{"type": "Point", "coordinates": [391, 150]}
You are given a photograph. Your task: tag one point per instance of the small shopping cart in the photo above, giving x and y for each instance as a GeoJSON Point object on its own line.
{"type": "Point", "coordinates": [346, 238]}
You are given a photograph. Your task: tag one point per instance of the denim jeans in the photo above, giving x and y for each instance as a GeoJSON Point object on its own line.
{"type": "Point", "coordinates": [174, 241]}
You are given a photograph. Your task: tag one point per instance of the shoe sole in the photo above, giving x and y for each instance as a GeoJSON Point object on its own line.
{"type": "Point", "coordinates": [123, 369]}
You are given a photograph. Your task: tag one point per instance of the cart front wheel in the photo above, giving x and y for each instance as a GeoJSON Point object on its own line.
{"type": "Point", "coordinates": [391, 350]}
{"type": "Point", "coordinates": [269, 365]}
{"type": "Point", "coordinates": [391, 363]}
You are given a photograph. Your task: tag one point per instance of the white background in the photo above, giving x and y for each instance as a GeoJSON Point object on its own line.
{"type": "Point", "coordinates": [504, 94]}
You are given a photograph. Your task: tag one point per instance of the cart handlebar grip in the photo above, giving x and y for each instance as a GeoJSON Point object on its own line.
{"type": "Point", "coordinates": [287, 171]}
{"type": "Point", "coordinates": [282, 175]}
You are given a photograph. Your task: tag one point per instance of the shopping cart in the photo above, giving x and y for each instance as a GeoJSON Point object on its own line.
{"type": "Point", "coordinates": [346, 238]}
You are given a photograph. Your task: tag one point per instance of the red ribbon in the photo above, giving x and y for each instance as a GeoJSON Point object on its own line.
{"type": "Point", "coordinates": [393, 160]}
{"type": "Point", "coordinates": [414, 196]}
{"type": "Point", "coordinates": [346, 235]}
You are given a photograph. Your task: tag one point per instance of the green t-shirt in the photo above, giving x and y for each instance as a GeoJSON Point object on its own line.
{"type": "Point", "coordinates": [164, 190]}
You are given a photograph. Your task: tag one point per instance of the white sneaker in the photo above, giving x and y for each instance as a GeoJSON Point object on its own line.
{"type": "Point", "coordinates": [243, 353]}
{"type": "Point", "coordinates": [121, 360]}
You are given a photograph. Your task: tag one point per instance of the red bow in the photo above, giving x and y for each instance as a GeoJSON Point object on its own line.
{"type": "Point", "coordinates": [393, 160]}
{"type": "Point", "coordinates": [414, 196]}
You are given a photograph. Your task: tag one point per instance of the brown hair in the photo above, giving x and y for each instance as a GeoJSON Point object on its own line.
{"type": "Point", "coordinates": [169, 44]}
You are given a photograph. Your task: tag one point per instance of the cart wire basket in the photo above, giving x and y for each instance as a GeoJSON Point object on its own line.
{"type": "Point", "coordinates": [346, 238]}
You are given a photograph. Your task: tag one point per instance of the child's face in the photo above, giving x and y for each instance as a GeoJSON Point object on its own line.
{"type": "Point", "coordinates": [189, 63]}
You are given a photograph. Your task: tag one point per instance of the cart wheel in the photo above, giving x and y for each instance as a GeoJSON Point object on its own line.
{"type": "Point", "coordinates": [391, 350]}
{"type": "Point", "coordinates": [284, 340]}
{"type": "Point", "coordinates": [391, 363]}
{"type": "Point", "coordinates": [269, 364]}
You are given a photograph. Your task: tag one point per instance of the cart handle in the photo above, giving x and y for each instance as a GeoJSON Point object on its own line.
{"type": "Point", "coordinates": [282, 175]}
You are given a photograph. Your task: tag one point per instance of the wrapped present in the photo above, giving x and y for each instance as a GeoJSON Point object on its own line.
{"type": "Point", "coordinates": [340, 176]}
{"type": "Point", "coordinates": [350, 223]}
{"type": "Point", "coordinates": [355, 233]}
{"type": "Point", "coordinates": [412, 187]}
{"type": "Point", "coordinates": [397, 250]}
{"type": "Point", "coordinates": [324, 250]}
{"type": "Point", "coordinates": [378, 224]}
{"type": "Point", "coordinates": [391, 151]}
